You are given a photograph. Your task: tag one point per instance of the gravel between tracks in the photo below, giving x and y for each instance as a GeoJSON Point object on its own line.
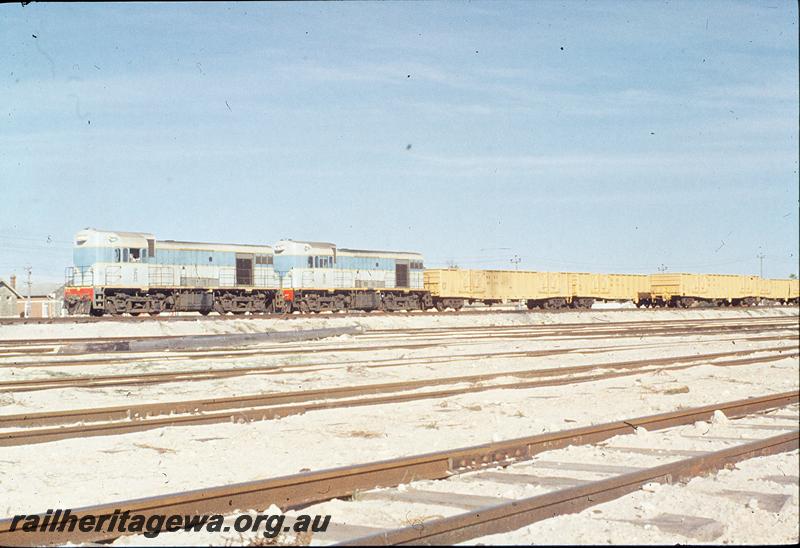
{"type": "Point", "coordinates": [73, 473]}
{"type": "Point", "coordinates": [755, 501]}
{"type": "Point", "coordinates": [416, 320]}
{"type": "Point", "coordinates": [78, 472]}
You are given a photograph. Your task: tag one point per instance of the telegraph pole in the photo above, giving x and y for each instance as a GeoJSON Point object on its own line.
{"type": "Point", "coordinates": [28, 283]}
{"type": "Point", "coordinates": [760, 258]}
{"type": "Point", "coordinates": [662, 268]}
{"type": "Point", "coordinates": [516, 260]}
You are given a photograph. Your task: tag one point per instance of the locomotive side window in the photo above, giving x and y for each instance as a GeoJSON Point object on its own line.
{"type": "Point", "coordinates": [311, 262]}
{"type": "Point", "coordinates": [117, 256]}
{"type": "Point", "coordinates": [125, 254]}
{"type": "Point", "coordinates": [133, 255]}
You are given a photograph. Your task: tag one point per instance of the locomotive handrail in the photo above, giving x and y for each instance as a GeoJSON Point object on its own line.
{"type": "Point", "coordinates": [77, 276]}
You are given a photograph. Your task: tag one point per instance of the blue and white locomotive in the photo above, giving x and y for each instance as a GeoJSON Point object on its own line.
{"type": "Point", "coordinates": [319, 276]}
{"type": "Point", "coordinates": [134, 273]}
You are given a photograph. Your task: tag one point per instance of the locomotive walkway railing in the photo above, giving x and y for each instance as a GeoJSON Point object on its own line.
{"type": "Point", "coordinates": [78, 276]}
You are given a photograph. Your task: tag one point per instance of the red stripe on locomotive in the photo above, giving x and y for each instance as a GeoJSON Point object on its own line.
{"type": "Point", "coordinates": [80, 292]}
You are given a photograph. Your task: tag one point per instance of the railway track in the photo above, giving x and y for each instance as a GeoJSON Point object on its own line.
{"type": "Point", "coordinates": [273, 316]}
{"type": "Point", "coordinates": [467, 336]}
{"type": "Point", "coordinates": [50, 344]}
{"type": "Point", "coordinates": [301, 490]}
{"type": "Point", "coordinates": [480, 516]}
{"type": "Point", "coordinates": [140, 379]}
{"type": "Point", "coordinates": [30, 428]}
{"type": "Point", "coordinates": [296, 316]}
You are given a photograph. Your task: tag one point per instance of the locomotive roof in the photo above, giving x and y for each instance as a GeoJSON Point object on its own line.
{"type": "Point", "coordinates": [349, 250]}
{"type": "Point", "coordinates": [214, 245]}
{"type": "Point", "coordinates": [307, 242]}
{"type": "Point", "coordinates": [376, 251]}
{"type": "Point", "coordinates": [120, 233]}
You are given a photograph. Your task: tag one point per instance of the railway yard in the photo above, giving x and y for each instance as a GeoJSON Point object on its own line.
{"type": "Point", "coordinates": [394, 273]}
{"type": "Point", "coordinates": [505, 426]}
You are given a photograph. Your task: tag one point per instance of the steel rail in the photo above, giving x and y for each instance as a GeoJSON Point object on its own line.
{"type": "Point", "coordinates": [298, 490]}
{"type": "Point", "coordinates": [513, 515]}
{"type": "Point", "coordinates": [126, 412]}
{"type": "Point", "coordinates": [123, 357]}
{"type": "Point", "coordinates": [162, 377]}
{"type": "Point", "coordinates": [745, 320]}
{"type": "Point", "coordinates": [272, 316]}
{"type": "Point", "coordinates": [287, 404]}
{"type": "Point", "coordinates": [5, 343]}
{"type": "Point", "coordinates": [374, 313]}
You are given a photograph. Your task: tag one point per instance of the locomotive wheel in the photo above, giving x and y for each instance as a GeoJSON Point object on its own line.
{"type": "Point", "coordinates": [440, 306]}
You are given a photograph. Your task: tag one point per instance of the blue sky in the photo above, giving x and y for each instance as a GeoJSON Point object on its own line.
{"type": "Point", "coordinates": [592, 136]}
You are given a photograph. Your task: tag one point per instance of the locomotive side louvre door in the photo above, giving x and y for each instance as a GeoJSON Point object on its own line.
{"type": "Point", "coordinates": [401, 273]}
{"type": "Point", "coordinates": [244, 268]}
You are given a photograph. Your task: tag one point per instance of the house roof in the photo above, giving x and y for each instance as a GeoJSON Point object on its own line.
{"type": "Point", "coordinates": [42, 289]}
{"type": "Point", "coordinates": [14, 291]}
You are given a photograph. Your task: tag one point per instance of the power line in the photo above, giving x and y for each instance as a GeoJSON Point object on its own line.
{"type": "Point", "coordinates": [45, 240]}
